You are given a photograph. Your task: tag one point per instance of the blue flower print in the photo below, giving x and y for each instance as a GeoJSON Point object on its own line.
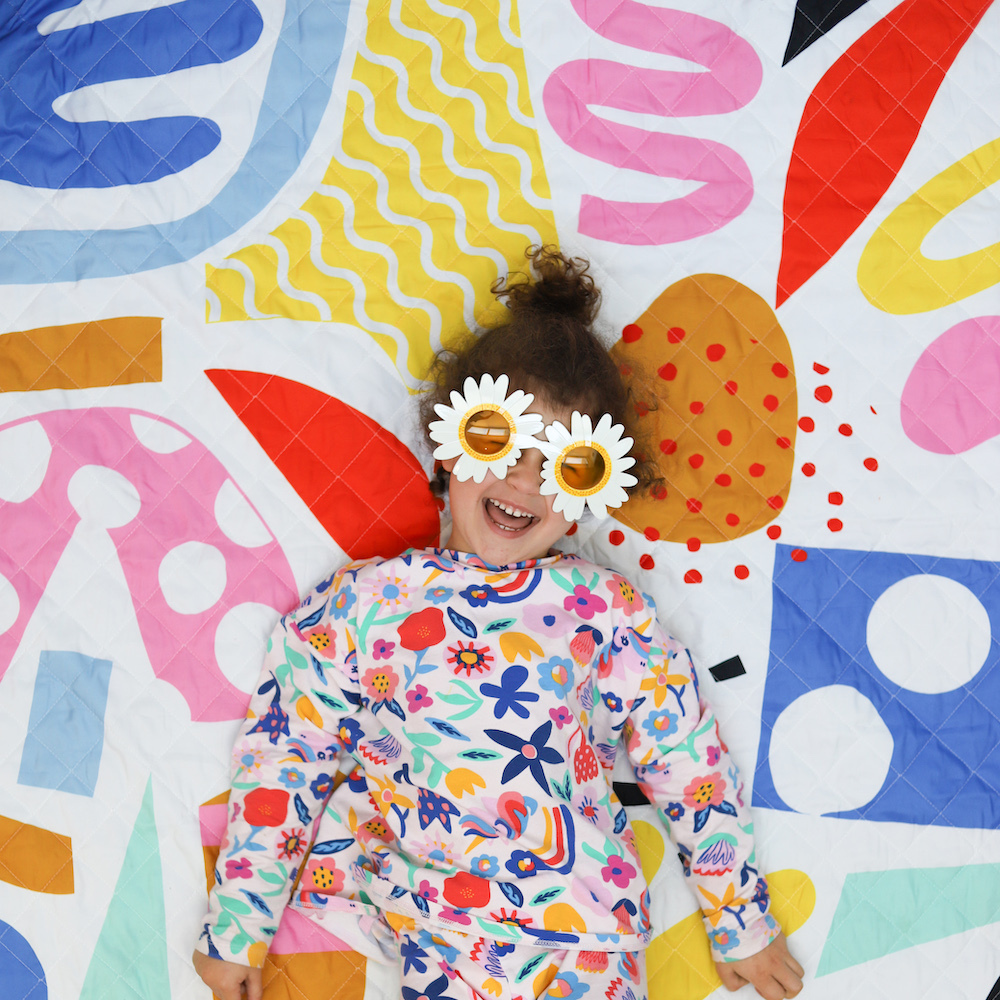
{"type": "Point", "coordinates": [431, 991]}
{"type": "Point", "coordinates": [509, 694]}
{"type": "Point", "coordinates": [438, 595]}
{"type": "Point", "coordinates": [428, 940]}
{"type": "Point", "coordinates": [484, 865]}
{"type": "Point", "coordinates": [567, 986]}
{"type": "Point", "coordinates": [530, 754]}
{"type": "Point", "coordinates": [274, 721]}
{"type": "Point", "coordinates": [413, 955]}
{"type": "Point", "coordinates": [341, 605]}
{"type": "Point", "coordinates": [613, 702]}
{"type": "Point", "coordinates": [660, 724]}
{"type": "Point", "coordinates": [556, 675]}
{"type": "Point", "coordinates": [322, 786]}
{"type": "Point", "coordinates": [723, 940]}
{"type": "Point", "coordinates": [292, 777]}
{"type": "Point", "coordinates": [350, 734]}
{"type": "Point", "coordinates": [760, 895]}
{"type": "Point", "coordinates": [478, 595]}
{"type": "Point", "coordinates": [673, 811]}
{"type": "Point", "coordinates": [525, 865]}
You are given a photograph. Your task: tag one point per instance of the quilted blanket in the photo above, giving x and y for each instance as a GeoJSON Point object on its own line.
{"type": "Point", "coordinates": [233, 233]}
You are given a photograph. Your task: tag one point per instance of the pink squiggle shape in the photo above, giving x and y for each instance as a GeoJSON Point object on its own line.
{"type": "Point", "coordinates": [951, 400]}
{"type": "Point", "coordinates": [733, 77]}
{"type": "Point", "coordinates": [177, 493]}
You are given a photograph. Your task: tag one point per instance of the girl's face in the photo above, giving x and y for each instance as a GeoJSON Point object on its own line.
{"type": "Point", "coordinates": [507, 520]}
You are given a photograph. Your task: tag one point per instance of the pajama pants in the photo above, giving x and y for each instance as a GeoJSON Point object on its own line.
{"type": "Point", "coordinates": [450, 965]}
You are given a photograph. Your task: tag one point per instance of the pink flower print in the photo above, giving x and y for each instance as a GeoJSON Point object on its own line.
{"type": "Point", "coordinates": [381, 683]}
{"type": "Point", "coordinates": [323, 640]}
{"type": "Point", "coordinates": [418, 699]}
{"type": "Point", "coordinates": [713, 755]}
{"type": "Point", "coordinates": [322, 876]}
{"type": "Point", "coordinates": [547, 619]}
{"type": "Point", "coordinates": [623, 595]}
{"type": "Point", "coordinates": [427, 891]}
{"type": "Point", "coordinates": [584, 602]}
{"type": "Point", "coordinates": [618, 870]}
{"type": "Point", "coordinates": [243, 868]}
{"type": "Point", "coordinates": [705, 791]}
{"type": "Point", "coordinates": [382, 649]}
{"type": "Point", "coordinates": [452, 916]}
{"type": "Point", "coordinates": [561, 716]}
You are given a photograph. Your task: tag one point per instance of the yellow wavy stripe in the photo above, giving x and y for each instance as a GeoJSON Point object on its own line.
{"type": "Point", "coordinates": [436, 184]}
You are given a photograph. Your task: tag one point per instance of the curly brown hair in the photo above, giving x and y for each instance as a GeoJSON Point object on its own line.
{"type": "Point", "coordinates": [546, 346]}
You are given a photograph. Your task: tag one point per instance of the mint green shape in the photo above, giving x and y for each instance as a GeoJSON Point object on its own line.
{"type": "Point", "coordinates": [883, 912]}
{"type": "Point", "coordinates": [130, 960]}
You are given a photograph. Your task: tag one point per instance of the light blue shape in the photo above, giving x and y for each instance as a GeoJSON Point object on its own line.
{"type": "Point", "coordinates": [882, 912]}
{"type": "Point", "coordinates": [298, 86]}
{"type": "Point", "coordinates": [130, 959]}
{"type": "Point", "coordinates": [66, 725]}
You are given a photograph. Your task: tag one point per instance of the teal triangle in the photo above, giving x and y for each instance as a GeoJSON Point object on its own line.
{"type": "Point", "coordinates": [130, 960]}
{"type": "Point", "coordinates": [882, 912]}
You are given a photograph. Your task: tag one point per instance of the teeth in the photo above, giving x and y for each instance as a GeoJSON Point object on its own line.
{"type": "Point", "coordinates": [512, 511]}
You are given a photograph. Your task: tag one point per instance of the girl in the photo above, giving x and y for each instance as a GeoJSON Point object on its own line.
{"type": "Point", "coordinates": [482, 694]}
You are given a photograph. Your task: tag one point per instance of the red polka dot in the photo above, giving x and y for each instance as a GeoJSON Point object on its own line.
{"type": "Point", "coordinates": [835, 524]}
{"type": "Point", "coordinates": [631, 333]}
{"type": "Point", "coordinates": [846, 429]}
{"type": "Point", "coordinates": [697, 407]}
{"type": "Point", "coordinates": [652, 534]}
{"type": "Point", "coordinates": [773, 532]}
{"type": "Point", "coordinates": [572, 529]}
{"type": "Point", "coordinates": [694, 505]}
{"type": "Point", "coordinates": [659, 492]}
{"type": "Point", "coordinates": [835, 498]}
{"type": "Point", "coordinates": [756, 470]}
{"type": "Point", "coordinates": [715, 352]}
{"type": "Point", "coordinates": [779, 370]}
{"type": "Point", "coordinates": [871, 464]}
{"type": "Point", "coordinates": [732, 388]}
{"type": "Point", "coordinates": [775, 502]}
{"type": "Point", "coordinates": [784, 442]}
{"type": "Point", "coordinates": [770, 403]}
{"type": "Point", "coordinates": [723, 479]}
{"type": "Point", "coordinates": [668, 446]}
{"type": "Point", "coordinates": [823, 393]}
{"type": "Point", "coordinates": [725, 438]}
{"type": "Point", "coordinates": [646, 561]}
{"type": "Point", "coordinates": [741, 572]}
{"type": "Point", "coordinates": [693, 544]}
{"type": "Point", "coordinates": [616, 537]}
{"type": "Point", "coordinates": [800, 555]}
{"type": "Point", "coordinates": [808, 469]}
{"type": "Point", "coordinates": [675, 334]}
{"type": "Point", "coordinates": [807, 424]}
{"type": "Point", "coordinates": [819, 369]}
{"type": "Point", "coordinates": [692, 576]}
{"type": "Point", "coordinates": [696, 461]}
{"type": "Point", "coordinates": [732, 520]}
{"type": "Point", "coordinates": [667, 371]}
{"type": "Point", "coordinates": [641, 409]}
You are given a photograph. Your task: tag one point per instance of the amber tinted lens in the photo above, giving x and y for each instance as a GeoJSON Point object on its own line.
{"type": "Point", "coordinates": [582, 468]}
{"type": "Point", "coordinates": [487, 432]}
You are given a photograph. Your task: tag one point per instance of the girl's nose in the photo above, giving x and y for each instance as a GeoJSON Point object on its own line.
{"type": "Point", "coordinates": [526, 475]}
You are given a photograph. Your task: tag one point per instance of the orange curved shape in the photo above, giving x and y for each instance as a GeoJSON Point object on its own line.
{"type": "Point", "coordinates": [34, 858]}
{"type": "Point", "coordinates": [363, 484]}
{"type": "Point", "coordinates": [860, 123]}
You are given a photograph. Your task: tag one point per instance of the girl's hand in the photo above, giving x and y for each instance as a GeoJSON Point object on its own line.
{"type": "Point", "coordinates": [773, 973]}
{"type": "Point", "coordinates": [227, 979]}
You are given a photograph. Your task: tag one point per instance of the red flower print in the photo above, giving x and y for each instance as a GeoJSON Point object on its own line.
{"type": "Point", "coordinates": [469, 658]}
{"type": "Point", "coordinates": [323, 640]}
{"type": "Point", "coordinates": [465, 891]}
{"type": "Point", "coordinates": [422, 629]}
{"type": "Point", "coordinates": [265, 807]}
{"type": "Point", "coordinates": [293, 844]}
{"type": "Point", "coordinates": [705, 791]}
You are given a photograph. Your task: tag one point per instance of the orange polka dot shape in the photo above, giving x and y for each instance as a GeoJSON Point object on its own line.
{"type": "Point", "coordinates": [719, 416]}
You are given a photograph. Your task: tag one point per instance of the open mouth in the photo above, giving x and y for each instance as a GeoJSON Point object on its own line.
{"type": "Point", "coordinates": [507, 517]}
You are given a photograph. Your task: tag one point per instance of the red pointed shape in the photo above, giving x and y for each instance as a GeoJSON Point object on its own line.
{"type": "Point", "coordinates": [364, 485]}
{"type": "Point", "coordinates": [860, 123]}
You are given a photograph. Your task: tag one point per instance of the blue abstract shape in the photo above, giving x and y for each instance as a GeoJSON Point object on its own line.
{"type": "Point", "coordinates": [66, 724]}
{"type": "Point", "coordinates": [38, 148]}
{"type": "Point", "coordinates": [945, 765]}
{"type": "Point", "coordinates": [296, 93]}
{"type": "Point", "coordinates": [21, 973]}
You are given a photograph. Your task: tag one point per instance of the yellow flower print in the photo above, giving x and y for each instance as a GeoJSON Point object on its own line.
{"type": "Point", "coordinates": [387, 795]}
{"type": "Point", "coordinates": [515, 644]}
{"type": "Point", "coordinates": [661, 680]}
{"type": "Point", "coordinates": [728, 901]}
{"type": "Point", "coordinates": [390, 590]}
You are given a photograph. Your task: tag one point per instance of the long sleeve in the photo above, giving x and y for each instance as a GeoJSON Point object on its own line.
{"type": "Point", "coordinates": [683, 766]}
{"type": "Point", "coordinates": [283, 768]}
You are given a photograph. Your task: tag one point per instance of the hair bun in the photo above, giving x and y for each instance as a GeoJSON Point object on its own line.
{"type": "Point", "coordinates": [562, 286]}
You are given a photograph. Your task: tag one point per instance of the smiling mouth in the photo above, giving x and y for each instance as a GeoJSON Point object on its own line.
{"type": "Point", "coordinates": [507, 517]}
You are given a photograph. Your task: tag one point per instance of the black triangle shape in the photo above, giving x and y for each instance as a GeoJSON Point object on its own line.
{"type": "Point", "coordinates": [813, 19]}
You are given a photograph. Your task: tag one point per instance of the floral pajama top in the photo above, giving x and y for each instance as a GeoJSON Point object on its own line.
{"type": "Point", "coordinates": [478, 711]}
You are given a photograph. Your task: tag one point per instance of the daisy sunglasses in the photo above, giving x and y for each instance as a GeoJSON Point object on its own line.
{"type": "Point", "coordinates": [486, 429]}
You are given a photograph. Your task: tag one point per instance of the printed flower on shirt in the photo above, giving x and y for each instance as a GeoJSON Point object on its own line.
{"type": "Point", "coordinates": [293, 843]}
{"type": "Point", "coordinates": [722, 939]}
{"type": "Point", "coordinates": [583, 644]}
{"type": "Point", "coordinates": [618, 870]}
{"type": "Point", "coordinates": [390, 590]}
{"type": "Point", "coordinates": [433, 991]}
{"type": "Point", "coordinates": [242, 868]}
{"type": "Point", "coordinates": [465, 891]}
{"type": "Point", "coordinates": [584, 602]}
{"type": "Point", "coordinates": [561, 716]}
{"type": "Point", "coordinates": [418, 699]}
{"type": "Point", "coordinates": [422, 629]}
{"type": "Point", "coordinates": [438, 595]}
{"type": "Point", "coordinates": [556, 675]}
{"type": "Point", "coordinates": [274, 722]}
{"type": "Point", "coordinates": [471, 658]}
{"type": "Point", "coordinates": [380, 686]}
{"type": "Point", "coordinates": [567, 986]}
{"type": "Point", "coordinates": [484, 865]}
{"type": "Point", "coordinates": [547, 619]}
{"type": "Point", "coordinates": [323, 640]}
{"type": "Point", "coordinates": [508, 694]}
{"type": "Point", "coordinates": [623, 595]}
{"type": "Point", "coordinates": [659, 680]}
{"type": "Point", "coordinates": [387, 795]}
{"type": "Point", "coordinates": [529, 754]}
{"type": "Point", "coordinates": [660, 724]}
{"type": "Point", "coordinates": [342, 603]}
{"type": "Point", "coordinates": [265, 806]}
{"type": "Point", "coordinates": [478, 595]}
{"type": "Point", "coordinates": [382, 650]}
{"type": "Point", "coordinates": [350, 734]}
{"type": "Point", "coordinates": [323, 876]}
{"type": "Point", "coordinates": [703, 795]}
